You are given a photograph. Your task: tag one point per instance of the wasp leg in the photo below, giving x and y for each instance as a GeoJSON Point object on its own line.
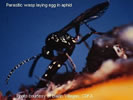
{"type": "Point", "coordinates": [84, 38]}
{"type": "Point", "coordinates": [86, 44]}
{"type": "Point", "coordinates": [71, 61]}
{"type": "Point", "coordinates": [77, 30]}
{"type": "Point", "coordinates": [93, 30]}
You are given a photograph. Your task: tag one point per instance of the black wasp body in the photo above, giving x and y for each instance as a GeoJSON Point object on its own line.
{"type": "Point", "coordinates": [60, 42]}
{"type": "Point", "coordinates": [63, 43]}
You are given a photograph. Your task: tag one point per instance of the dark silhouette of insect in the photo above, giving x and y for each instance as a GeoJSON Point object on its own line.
{"type": "Point", "coordinates": [63, 43]}
{"type": "Point", "coordinates": [114, 44]}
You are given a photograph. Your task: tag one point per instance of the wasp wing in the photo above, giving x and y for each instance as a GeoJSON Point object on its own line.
{"type": "Point", "coordinates": [95, 12]}
{"type": "Point", "coordinates": [90, 14]}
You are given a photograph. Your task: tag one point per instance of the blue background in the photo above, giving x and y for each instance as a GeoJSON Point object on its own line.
{"type": "Point", "coordinates": [23, 31]}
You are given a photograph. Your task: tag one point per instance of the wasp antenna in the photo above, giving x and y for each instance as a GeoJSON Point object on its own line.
{"type": "Point", "coordinates": [19, 65]}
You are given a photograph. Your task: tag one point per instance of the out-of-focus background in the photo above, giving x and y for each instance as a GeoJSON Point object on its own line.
{"type": "Point", "coordinates": [24, 30]}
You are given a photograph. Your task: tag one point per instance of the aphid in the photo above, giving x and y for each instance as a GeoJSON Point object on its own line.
{"type": "Point", "coordinates": [63, 43]}
{"type": "Point", "coordinates": [114, 44]}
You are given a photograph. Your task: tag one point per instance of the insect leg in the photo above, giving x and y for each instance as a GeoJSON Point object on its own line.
{"type": "Point", "coordinates": [86, 44]}
{"type": "Point", "coordinates": [93, 30]}
{"type": "Point", "coordinates": [71, 61]}
{"type": "Point", "coordinates": [77, 30]}
{"type": "Point", "coordinates": [84, 38]}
